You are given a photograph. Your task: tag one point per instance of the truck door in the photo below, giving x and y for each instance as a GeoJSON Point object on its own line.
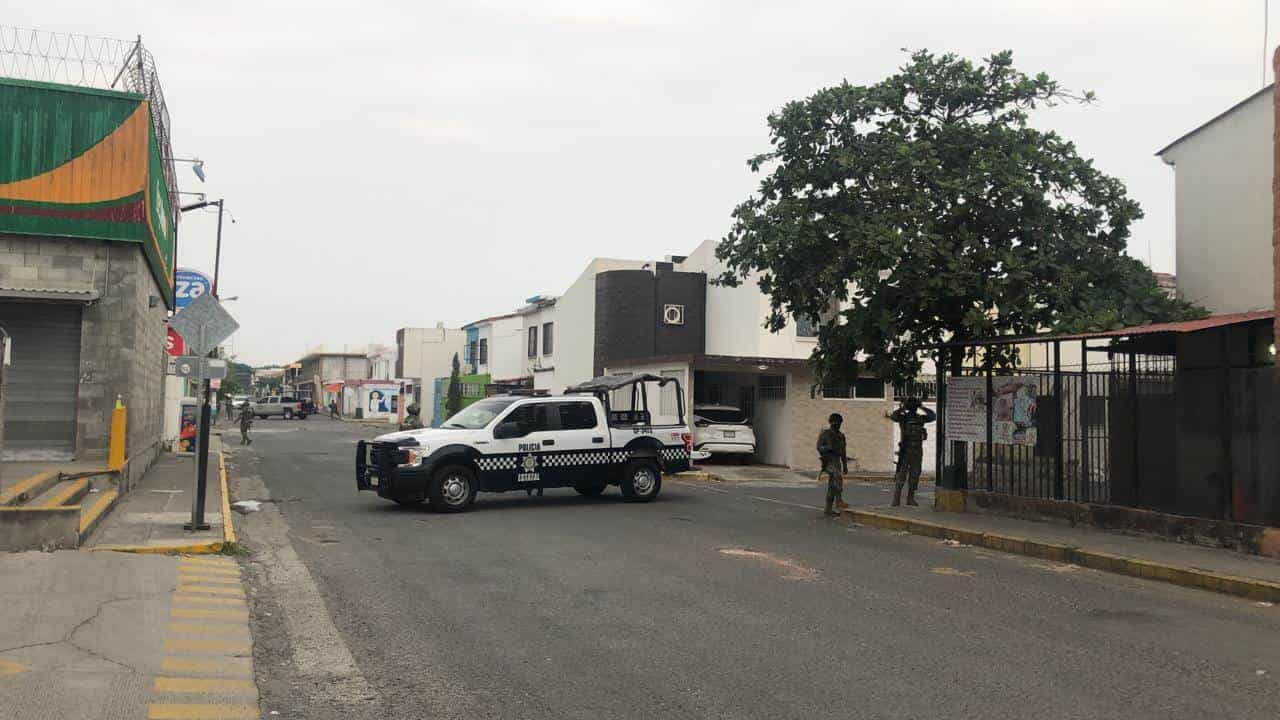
{"type": "Point", "coordinates": [580, 453]}
{"type": "Point", "coordinates": [519, 461]}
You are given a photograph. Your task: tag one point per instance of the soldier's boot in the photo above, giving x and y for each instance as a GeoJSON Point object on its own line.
{"type": "Point", "coordinates": [827, 510]}
{"type": "Point", "coordinates": [897, 496]}
{"type": "Point", "coordinates": [911, 497]}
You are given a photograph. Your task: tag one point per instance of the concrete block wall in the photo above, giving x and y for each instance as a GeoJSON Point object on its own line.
{"type": "Point", "coordinates": [122, 335]}
{"type": "Point", "coordinates": [868, 433]}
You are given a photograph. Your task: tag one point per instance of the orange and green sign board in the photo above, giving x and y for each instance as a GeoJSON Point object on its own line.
{"type": "Point", "coordinates": [84, 163]}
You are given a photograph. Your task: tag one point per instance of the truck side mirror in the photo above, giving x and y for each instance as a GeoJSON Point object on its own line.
{"type": "Point", "coordinates": [506, 431]}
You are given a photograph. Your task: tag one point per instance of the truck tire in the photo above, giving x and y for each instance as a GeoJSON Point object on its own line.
{"type": "Point", "coordinates": [288, 413]}
{"type": "Point", "coordinates": [642, 481]}
{"type": "Point", "coordinates": [452, 489]}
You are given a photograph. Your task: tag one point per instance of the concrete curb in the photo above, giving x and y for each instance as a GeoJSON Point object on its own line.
{"type": "Point", "coordinates": [228, 525]}
{"type": "Point", "coordinates": [1251, 588]}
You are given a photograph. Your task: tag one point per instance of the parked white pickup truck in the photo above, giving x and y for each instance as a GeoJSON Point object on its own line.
{"type": "Point", "coordinates": [515, 442]}
{"type": "Point", "coordinates": [284, 406]}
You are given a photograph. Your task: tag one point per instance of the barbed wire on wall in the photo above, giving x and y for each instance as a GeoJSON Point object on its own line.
{"type": "Point", "coordinates": [97, 62]}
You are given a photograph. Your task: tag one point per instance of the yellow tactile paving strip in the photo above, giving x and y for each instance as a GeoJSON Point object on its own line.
{"type": "Point", "coordinates": [207, 670]}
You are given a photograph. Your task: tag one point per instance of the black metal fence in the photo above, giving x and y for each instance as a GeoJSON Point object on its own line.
{"type": "Point", "coordinates": [1095, 425]}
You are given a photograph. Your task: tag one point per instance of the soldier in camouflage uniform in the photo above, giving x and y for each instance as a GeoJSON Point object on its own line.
{"type": "Point", "coordinates": [246, 422]}
{"type": "Point", "coordinates": [835, 462]}
{"type": "Point", "coordinates": [911, 419]}
{"type": "Point", "coordinates": [412, 419]}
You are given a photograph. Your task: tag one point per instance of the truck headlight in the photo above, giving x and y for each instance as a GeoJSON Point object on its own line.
{"type": "Point", "coordinates": [412, 456]}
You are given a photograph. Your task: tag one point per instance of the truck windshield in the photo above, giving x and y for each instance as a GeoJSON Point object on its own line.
{"type": "Point", "coordinates": [478, 415]}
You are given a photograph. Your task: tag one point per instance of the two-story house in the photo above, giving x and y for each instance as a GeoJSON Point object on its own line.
{"type": "Point", "coordinates": [1224, 204]}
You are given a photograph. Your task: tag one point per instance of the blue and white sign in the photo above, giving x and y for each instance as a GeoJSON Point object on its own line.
{"type": "Point", "coordinates": [188, 285]}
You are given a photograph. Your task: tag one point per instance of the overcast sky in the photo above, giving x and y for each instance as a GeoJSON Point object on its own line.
{"type": "Point", "coordinates": [396, 164]}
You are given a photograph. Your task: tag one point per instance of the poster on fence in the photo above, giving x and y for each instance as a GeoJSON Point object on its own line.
{"type": "Point", "coordinates": [966, 417]}
{"type": "Point", "coordinates": [1013, 409]}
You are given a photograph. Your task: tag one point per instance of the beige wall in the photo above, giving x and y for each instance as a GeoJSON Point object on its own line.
{"type": "Point", "coordinates": [868, 433]}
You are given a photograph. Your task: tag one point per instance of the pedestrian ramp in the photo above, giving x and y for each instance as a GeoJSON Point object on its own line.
{"type": "Point", "coordinates": [54, 509]}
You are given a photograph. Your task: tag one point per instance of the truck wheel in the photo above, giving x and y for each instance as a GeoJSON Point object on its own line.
{"type": "Point", "coordinates": [591, 490]}
{"type": "Point", "coordinates": [453, 489]}
{"type": "Point", "coordinates": [288, 413]}
{"type": "Point", "coordinates": [642, 481]}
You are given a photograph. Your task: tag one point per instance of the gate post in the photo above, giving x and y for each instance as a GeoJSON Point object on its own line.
{"type": "Point", "coordinates": [1057, 420]}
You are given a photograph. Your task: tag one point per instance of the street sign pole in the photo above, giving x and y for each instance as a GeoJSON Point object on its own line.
{"type": "Point", "coordinates": [205, 320]}
{"type": "Point", "coordinates": [202, 451]}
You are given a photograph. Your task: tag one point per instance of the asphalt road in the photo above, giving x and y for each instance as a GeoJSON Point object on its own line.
{"type": "Point", "coordinates": [712, 602]}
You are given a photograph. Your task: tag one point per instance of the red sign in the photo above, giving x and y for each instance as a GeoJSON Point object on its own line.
{"type": "Point", "coordinates": [173, 343]}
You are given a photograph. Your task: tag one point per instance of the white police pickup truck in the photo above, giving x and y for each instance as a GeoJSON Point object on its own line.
{"type": "Point", "coordinates": [515, 442]}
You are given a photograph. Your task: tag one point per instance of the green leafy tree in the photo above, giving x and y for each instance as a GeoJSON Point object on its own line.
{"type": "Point", "coordinates": [925, 208]}
{"type": "Point", "coordinates": [453, 401]}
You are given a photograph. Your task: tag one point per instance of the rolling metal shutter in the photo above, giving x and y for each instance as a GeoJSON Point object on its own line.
{"type": "Point", "coordinates": [43, 380]}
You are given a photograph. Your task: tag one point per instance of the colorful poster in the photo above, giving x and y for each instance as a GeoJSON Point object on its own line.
{"type": "Point", "coordinates": [1013, 409]}
{"type": "Point", "coordinates": [188, 424]}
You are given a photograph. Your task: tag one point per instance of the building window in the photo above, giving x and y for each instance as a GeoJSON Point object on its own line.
{"type": "Point", "coordinates": [806, 327]}
{"type": "Point", "coordinates": [773, 387]}
{"type": "Point", "coordinates": [533, 342]}
{"type": "Point", "coordinates": [471, 352]}
{"type": "Point", "coordinates": [483, 357]}
{"type": "Point", "coordinates": [547, 336]}
{"type": "Point", "coordinates": [861, 389]}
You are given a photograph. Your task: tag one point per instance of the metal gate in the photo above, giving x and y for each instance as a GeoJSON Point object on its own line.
{"type": "Point", "coordinates": [43, 380]}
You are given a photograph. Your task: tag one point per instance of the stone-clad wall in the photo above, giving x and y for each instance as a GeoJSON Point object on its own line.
{"type": "Point", "coordinates": [868, 433]}
{"type": "Point", "coordinates": [122, 335]}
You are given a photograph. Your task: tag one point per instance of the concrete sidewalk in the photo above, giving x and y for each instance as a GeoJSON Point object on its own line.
{"type": "Point", "coordinates": [116, 635]}
{"type": "Point", "coordinates": [150, 518]}
{"type": "Point", "coordinates": [1219, 570]}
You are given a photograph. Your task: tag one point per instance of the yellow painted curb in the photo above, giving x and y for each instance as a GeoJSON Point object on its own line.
{"type": "Point", "coordinates": [228, 525]}
{"type": "Point", "coordinates": [193, 549]}
{"type": "Point", "coordinates": [1251, 588]}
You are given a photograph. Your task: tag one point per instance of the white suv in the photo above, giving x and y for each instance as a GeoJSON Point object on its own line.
{"type": "Point", "coordinates": [723, 430]}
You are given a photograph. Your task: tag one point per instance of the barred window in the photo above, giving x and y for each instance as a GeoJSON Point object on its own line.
{"type": "Point", "coordinates": [773, 387]}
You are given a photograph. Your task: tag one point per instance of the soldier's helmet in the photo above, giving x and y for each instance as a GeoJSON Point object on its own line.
{"type": "Point", "coordinates": [835, 418]}
{"type": "Point", "coordinates": [413, 409]}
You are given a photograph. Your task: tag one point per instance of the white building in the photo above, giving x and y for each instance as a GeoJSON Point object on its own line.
{"type": "Point", "coordinates": [382, 362]}
{"type": "Point", "coordinates": [665, 318]}
{"type": "Point", "coordinates": [576, 316]}
{"type": "Point", "coordinates": [498, 349]}
{"type": "Point", "coordinates": [538, 320]}
{"type": "Point", "coordinates": [424, 354]}
{"type": "Point", "coordinates": [1223, 193]}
